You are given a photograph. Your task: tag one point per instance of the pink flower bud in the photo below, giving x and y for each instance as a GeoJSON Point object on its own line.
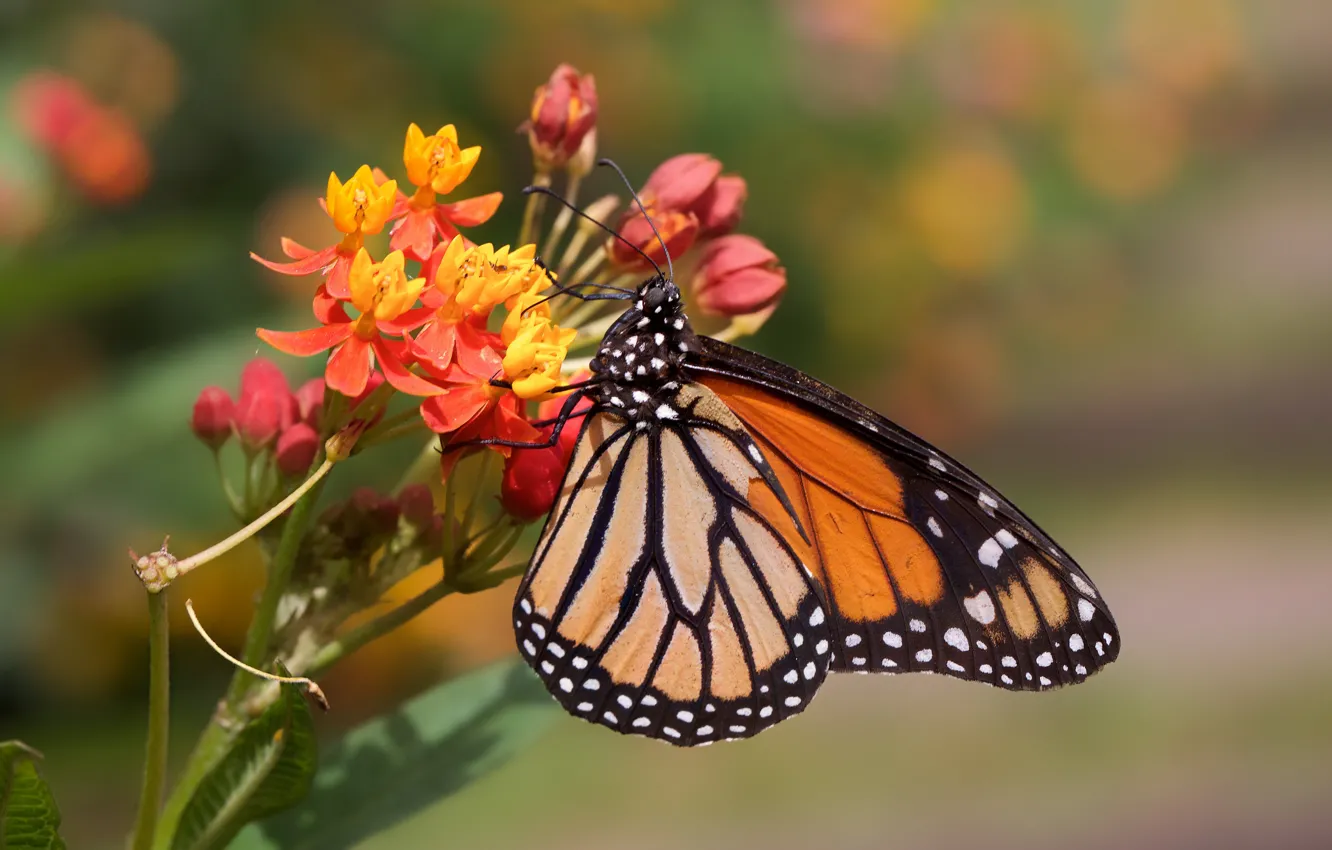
{"type": "Point", "coordinates": [296, 450]}
{"type": "Point", "coordinates": [738, 275]}
{"type": "Point", "coordinates": [213, 410]}
{"type": "Point", "coordinates": [531, 482]}
{"type": "Point", "coordinates": [259, 417]}
{"type": "Point", "coordinates": [417, 505]}
{"type": "Point", "coordinates": [263, 375]}
{"type": "Point", "coordinates": [720, 208]}
{"type": "Point", "coordinates": [678, 230]}
{"type": "Point", "coordinates": [680, 181]}
{"type": "Point", "coordinates": [564, 110]}
{"type": "Point", "coordinates": [310, 401]}
{"type": "Point", "coordinates": [380, 513]}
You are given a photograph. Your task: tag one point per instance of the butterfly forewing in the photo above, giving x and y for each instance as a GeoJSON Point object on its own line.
{"type": "Point", "coordinates": [660, 601]}
{"type": "Point", "coordinates": [925, 568]}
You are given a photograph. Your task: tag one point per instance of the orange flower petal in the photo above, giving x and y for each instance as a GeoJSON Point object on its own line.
{"type": "Point", "coordinates": [471, 211]}
{"type": "Point", "coordinates": [348, 369]}
{"type": "Point", "coordinates": [306, 343]}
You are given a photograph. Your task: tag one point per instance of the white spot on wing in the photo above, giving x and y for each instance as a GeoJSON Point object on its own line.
{"type": "Point", "coordinates": [1086, 610]}
{"type": "Point", "coordinates": [938, 464]}
{"type": "Point", "coordinates": [925, 655]}
{"type": "Point", "coordinates": [980, 607]}
{"type": "Point", "coordinates": [934, 527]}
{"type": "Point", "coordinates": [1006, 540]}
{"type": "Point", "coordinates": [1081, 584]}
{"type": "Point", "coordinates": [1045, 659]}
{"type": "Point", "coordinates": [989, 552]}
{"type": "Point", "coordinates": [852, 640]}
{"type": "Point", "coordinates": [957, 640]}
{"type": "Point", "coordinates": [893, 639]}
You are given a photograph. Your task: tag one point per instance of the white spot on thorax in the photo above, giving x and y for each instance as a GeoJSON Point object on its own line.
{"type": "Point", "coordinates": [665, 411]}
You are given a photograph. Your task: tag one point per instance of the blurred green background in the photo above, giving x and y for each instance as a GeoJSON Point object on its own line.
{"type": "Point", "coordinates": [1084, 246]}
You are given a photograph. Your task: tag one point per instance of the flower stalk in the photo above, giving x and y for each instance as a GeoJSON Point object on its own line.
{"type": "Point", "coordinates": [159, 704]}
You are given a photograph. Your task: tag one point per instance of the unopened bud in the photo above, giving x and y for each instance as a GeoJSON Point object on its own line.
{"type": "Point", "coordinates": [213, 410]}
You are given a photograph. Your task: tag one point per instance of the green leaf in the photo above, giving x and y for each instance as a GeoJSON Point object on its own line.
{"type": "Point", "coordinates": [400, 763]}
{"type": "Point", "coordinates": [268, 769]}
{"type": "Point", "coordinates": [29, 819]}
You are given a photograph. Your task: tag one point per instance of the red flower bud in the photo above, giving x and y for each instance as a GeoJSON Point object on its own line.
{"type": "Point", "coordinates": [677, 229]}
{"type": "Point", "coordinates": [720, 208]}
{"type": "Point", "coordinates": [49, 107]}
{"type": "Point", "coordinates": [532, 479]}
{"type": "Point", "coordinates": [259, 417]}
{"type": "Point", "coordinates": [213, 410]}
{"type": "Point", "coordinates": [310, 401]}
{"type": "Point", "coordinates": [296, 449]}
{"type": "Point", "coordinates": [263, 375]}
{"type": "Point", "coordinates": [564, 109]}
{"type": "Point", "coordinates": [737, 276]}
{"type": "Point", "coordinates": [380, 513]}
{"type": "Point", "coordinates": [680, 181]}
{"type": "Point", "coordinates": [550, 409]}
{"type": "Point", "coordinates": [417, 505]}
{"type": "Point", "coordinates": [266, 406]}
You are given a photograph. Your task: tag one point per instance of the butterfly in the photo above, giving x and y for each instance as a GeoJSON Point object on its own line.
{"type": "Point", "coordinates": [730, 531]}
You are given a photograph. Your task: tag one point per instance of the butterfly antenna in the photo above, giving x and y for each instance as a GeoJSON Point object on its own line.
{"type": "Point", "coordinates": [542, 190]}
{"type": "Point", "coordinates": [662, 242]}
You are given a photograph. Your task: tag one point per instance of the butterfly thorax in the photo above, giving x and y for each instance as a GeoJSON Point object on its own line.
{"type": "Point", "coordinates": [640, 362]}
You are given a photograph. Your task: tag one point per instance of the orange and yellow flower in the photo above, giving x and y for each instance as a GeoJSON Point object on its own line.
{"type": "Point", "coordinates": [436, 165]}
{"type": "Point", "coordinates": [383, 295]}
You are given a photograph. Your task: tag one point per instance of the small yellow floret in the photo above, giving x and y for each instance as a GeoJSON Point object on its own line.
{"type": "Point", "coordinates": [437, 161]}
{"type": "Point", "coordinates": [382, 290]}
{"type": "Point", "coordinates": [360, 203]}
{"type": "Point", "coordinates": [534, 360]}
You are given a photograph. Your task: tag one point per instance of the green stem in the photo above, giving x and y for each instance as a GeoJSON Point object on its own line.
{"type": "Point", "coordinates": [159, 698]}
{"type": "Point", "coordinates": [233, 499]}
{"type": "Point", "coordinates": [402, 429]}
{"type": "Point", "coordinates": [358, 637]}
{"type": "Point", "coordinates": [279, 575]}
{"type": "Point", "coordinates": [565, 214]}
{"type": "Point", "coordinates": [532, 212]}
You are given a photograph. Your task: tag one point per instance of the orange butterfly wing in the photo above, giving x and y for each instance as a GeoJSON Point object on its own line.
{"type": "Point", "coordinates": [925, 567]}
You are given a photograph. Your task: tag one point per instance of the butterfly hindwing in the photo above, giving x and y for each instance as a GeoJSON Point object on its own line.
{"type": "Point", "coordinates": [659, 600]}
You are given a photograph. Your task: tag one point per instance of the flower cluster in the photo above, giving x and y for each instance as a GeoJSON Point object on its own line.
{"type": "Point", "coordinates": [479, 333]}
